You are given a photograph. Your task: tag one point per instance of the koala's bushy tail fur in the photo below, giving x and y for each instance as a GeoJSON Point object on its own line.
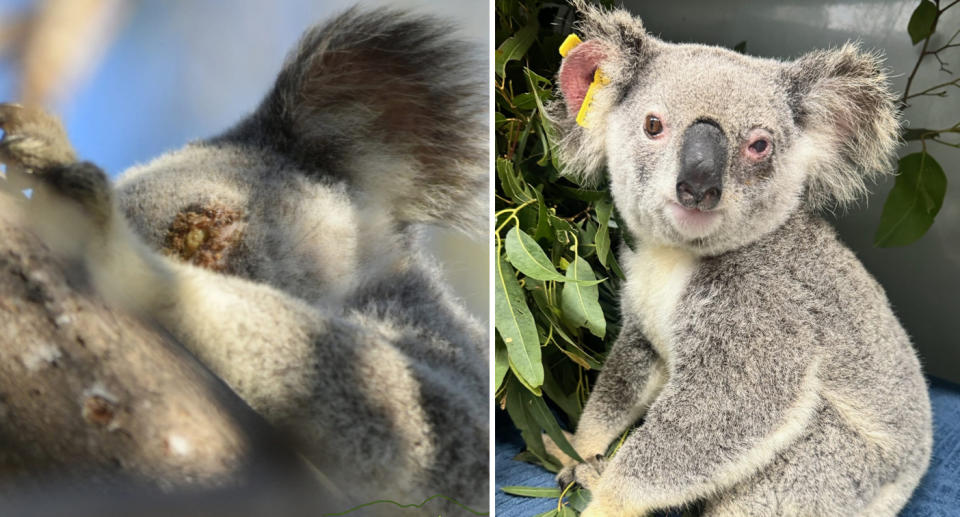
{"type": "Point", "coordinates": [392, 103]}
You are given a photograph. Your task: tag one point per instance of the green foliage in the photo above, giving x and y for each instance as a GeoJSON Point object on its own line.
{"type": "Point", "coordinates": [921, 184]}
{"type": "Point", "coordinates": [913, 202]}
{"type": "Point", "coordinates": [556, 277]}
{"type": "Point", "coordinates": [923, 21]}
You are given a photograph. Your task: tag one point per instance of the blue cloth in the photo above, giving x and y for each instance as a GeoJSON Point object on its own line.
{"type": "Point", "coordinates": [937, 496]}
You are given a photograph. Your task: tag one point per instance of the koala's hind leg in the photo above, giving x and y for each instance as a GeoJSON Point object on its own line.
{"type": "Point", "coordinates": [831, 470]}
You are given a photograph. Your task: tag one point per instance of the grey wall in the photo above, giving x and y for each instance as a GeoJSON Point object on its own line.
{"type": "Point", "coordinates": [923, 279]}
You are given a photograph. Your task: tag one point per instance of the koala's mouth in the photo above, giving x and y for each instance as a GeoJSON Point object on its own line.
{"type": "Point", "coordinates": [691, 222]}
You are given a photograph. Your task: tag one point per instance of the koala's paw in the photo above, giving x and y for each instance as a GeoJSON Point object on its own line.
{"type": "Point", "coordinates": [83, 183]}
{"type": "Point", "coordinates": [33, 139]}
{"type": "Point", "coordinates": [585, 474]}
{"type": "Point", "coordinates": [34, 142]}
{"type": "Point", "coordinates": [554, 450]}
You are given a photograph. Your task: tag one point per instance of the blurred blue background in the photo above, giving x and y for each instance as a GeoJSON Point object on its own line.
{"type": "Point", "coordinates": [143, 77]}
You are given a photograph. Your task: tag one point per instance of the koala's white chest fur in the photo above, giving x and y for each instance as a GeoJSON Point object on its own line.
{"type": "Point", "coordinates": [657, 277]}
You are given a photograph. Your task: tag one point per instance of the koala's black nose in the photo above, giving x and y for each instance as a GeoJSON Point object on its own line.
{"type": "Point", "coordinates": [703, 157]}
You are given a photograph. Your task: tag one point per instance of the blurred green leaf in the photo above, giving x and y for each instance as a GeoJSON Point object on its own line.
{"type": "Point", "coordinates": [914, 201]}
{"type": "Point", "coordinates": [580, 302]}
{"type": "Point", "coordinates": [516, 326]}
{"type": "Point", "coordinates": [923, 21]}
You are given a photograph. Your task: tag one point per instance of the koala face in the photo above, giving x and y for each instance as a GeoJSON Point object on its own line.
{"type": "Point", "coordinates": [707, 149]}
{"type": "Point", "coordinates": [701, 156]}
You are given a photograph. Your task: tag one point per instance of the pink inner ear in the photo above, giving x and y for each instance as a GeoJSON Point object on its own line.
{"type": "Point", "coordinates": [576, 72]}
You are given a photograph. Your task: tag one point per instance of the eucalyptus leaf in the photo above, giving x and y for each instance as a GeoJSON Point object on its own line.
{"type": "Point", "coordinates": [581, 302]}
{"type": "Point", "coordinates": [542, 415]}
{"type": "Point", "coordinates": [914, 201]}
{"type": "Point", "coordinates": [515, 324]}
{"type": "Point", "coordinates": [520, 416]}
{"type": "Point", "coordinates": [579, 499]}
{"type": "Point", "coordinates": [566, 401]}
{"type": "Point", "coordinates": [514, 47]}
{"type": "Point", "coordinates": [602, 239]}
{"type": "Point", "coordinates": [532, 491]}
{"type": "Point", "coordinates": [566, 511]}
{"type": "Point", "coordinates": [543, 219]}
{"type": "Point", "coordinates": [923, 21]}
{"type": "Point", "coordinates": [582, 193]}
{"type": "Point", "coordinates": [533, 389]}
{"type": "Point", "coordinates": [512, 183]}
{"type": "Point", "coordinates": [527, 256]}
{"type": "Point", "coordinates": [501, 363]}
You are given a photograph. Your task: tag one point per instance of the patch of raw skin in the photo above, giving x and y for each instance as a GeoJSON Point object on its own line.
{"type": "Point", "coordinates": [205, 236]}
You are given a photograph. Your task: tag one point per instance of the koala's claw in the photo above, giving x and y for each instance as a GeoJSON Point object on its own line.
{"type": "Point", "coordinates": [584, 474]}
{"type": "Point", "coordinates": [565, 477]}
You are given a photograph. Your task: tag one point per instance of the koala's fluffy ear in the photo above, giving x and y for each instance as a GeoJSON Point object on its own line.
{"type": "Point", "coordinates": [615, 42]}
{"type": "Point", "coordinates": [841, 99]}
{"type": "Point", "coordinates": [391, 101]}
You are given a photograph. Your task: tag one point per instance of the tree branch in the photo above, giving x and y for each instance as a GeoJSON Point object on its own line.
{"type": "Point", "coordinates": [89, 393]}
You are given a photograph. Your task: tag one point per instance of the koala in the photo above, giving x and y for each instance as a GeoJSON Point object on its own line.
{"type": "Point", "coordinates": [766, 364]}
{"type": "Point", "coordinates": [286, 253]}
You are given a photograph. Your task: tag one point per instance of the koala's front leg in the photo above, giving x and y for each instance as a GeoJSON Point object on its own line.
{"type": "Point", "coordinates": [723, 416]}
{"type": "Point", "coordinates": [71, 204]}
{"type": "Point", "coordinates": [631, 378]}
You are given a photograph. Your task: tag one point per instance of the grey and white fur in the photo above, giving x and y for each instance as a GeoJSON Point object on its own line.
{"type": "Point", "coordinates": [766, 364]}
{"type": "Point", "coordinates": [323, 313]}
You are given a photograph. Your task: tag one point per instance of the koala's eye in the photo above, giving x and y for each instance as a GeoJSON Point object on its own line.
{"type": "Point", "coordinates": [759, 146]}
{"type": "Point", "coordinates": [652, 125]}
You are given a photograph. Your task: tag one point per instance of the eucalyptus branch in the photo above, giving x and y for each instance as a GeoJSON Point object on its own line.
{"type": "Point", "coordinates": [930, 91]}
{"type": "Point", "coordinates": [913, 73]}
{"type": "Point", "coordinates": [923, 133]}
{"type": "Point", "coordinates": [944, 142]}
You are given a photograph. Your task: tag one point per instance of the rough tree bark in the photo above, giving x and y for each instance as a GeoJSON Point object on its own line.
{"type": "Point", "coordinates": [88, 393]}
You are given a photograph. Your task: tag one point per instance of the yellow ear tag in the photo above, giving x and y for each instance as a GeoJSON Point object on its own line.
{"type": "Point", "coordinates": [599, 80]}
{"type": "Point", "coordinates": [569, 44]}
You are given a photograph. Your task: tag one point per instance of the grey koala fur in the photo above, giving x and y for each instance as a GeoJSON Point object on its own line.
{"type": "Point", "coordinates": [322, 312]}
{"type": "Point", "coordinates": [770, 372]}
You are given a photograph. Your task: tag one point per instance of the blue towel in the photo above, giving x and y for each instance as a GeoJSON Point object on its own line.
{"type": "Point", "coordinates": [937, 496]}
